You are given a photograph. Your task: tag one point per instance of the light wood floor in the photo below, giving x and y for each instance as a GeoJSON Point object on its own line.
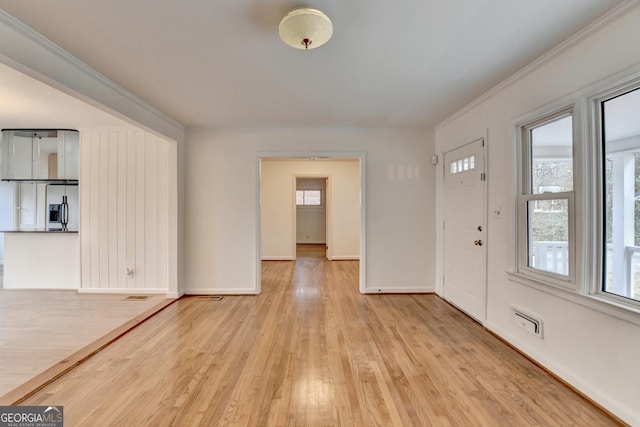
{"type": "Point", "coordinates": [39, 328]}
{"type": "Point", "coordinates": [311, 351]}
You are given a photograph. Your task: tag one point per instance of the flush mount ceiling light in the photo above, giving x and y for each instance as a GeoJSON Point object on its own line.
{"type": "Point", "coordinates": [305, 29]}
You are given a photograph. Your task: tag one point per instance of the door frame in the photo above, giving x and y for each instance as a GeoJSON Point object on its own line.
{"type": "Point", "coordinates": [327, 213]}
{"type": "Point", "coordinates": [360, 156]}
{"type": "Point", "coordinates": [485, 218]}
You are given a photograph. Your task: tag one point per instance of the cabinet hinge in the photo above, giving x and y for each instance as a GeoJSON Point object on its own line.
{"type": "Point", "coordinates": [483, 176]}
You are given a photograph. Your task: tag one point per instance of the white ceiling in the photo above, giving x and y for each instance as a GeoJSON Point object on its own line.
{"type": "Point", "coordinates": [218, 63]}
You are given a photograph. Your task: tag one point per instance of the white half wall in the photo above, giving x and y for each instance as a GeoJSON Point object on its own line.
{"type": "Point", "coordinates": [593, 351]}
{"type": "Point", "coordinates": [221, 182]}
{"type": "Point", "coordinates": [41, 261]}
{"type": "Point", "coordinates": [277, 178]}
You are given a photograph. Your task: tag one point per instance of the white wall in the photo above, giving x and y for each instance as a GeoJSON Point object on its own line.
{"type": "Point", "coordinates": [595, 352]}
{"type": "Point", "coordinates": [277, 206]}
{"type": "Point", "coordinates": [221, 182]}
{"type": "Point", "coordinates": [125, 196]}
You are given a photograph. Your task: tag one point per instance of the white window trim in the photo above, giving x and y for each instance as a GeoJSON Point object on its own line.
{"type": "Point", "coordinates": [595, 144]}
{"type": "Point", "coordinates": [524, 195]}
{"type": "Point", "coordinates": [587, 286]}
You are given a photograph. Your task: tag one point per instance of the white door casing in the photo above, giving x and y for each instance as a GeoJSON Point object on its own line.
{"type": "Point", "coordinates": [465, 229]}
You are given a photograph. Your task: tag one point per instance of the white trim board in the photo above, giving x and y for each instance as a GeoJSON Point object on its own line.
{"type": "Point", "coordinates": [123, 291]}
{"type": "Point", "coordinates": [222, 291]}
{"type": "Point", "coordinates": [416, 290]}
{"type": "Point", "coordinates": [548, 364]}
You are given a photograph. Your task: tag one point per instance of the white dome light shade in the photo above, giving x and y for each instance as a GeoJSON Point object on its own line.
{"type": "Point", "coordinates": [305, 29]}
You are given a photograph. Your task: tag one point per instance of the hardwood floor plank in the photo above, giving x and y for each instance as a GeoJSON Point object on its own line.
{"type": "Point", "coordinates": [311, 351]}
{"type": "Point", "coordinates": [43, 333]}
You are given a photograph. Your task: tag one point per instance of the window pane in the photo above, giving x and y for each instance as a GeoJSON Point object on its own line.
{"type": "Point", "coordinates": [621, 136]}
{"type": "Point", "coordinates": [299, 197]}
{"type": "Point", "coordinates": [552, 157]}
{"type": "Point", "coordinates": [312, 198]}
{"type": "Point", "coordinates": [548, 235]}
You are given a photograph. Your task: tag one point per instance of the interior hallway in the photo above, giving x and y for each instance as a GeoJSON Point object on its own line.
{"type": "Point", "coordinates": [310, 350]}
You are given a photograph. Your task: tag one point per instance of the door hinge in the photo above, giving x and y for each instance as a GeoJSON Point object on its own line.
{"type": "Point", "coordinates": [443, 225]}
{"type": "Point", "coordinates": [483, 176]}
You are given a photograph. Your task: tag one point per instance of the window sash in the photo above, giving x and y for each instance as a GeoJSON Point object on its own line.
{"type": "Point", "coordinates": [527, 194]}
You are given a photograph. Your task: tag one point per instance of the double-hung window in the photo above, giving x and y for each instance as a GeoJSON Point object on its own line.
{"type": "Point", "coordinates": [578, 201]}
{"type": "Point", "coordinates": [546, 211]}
{"type": "Point", "coordinates": [618, 125]}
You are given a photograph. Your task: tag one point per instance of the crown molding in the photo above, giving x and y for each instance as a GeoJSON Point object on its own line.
{"type": "Point", "coordinates": [31, 53]}
{"type": "Point", "coordinates": [590, 29]}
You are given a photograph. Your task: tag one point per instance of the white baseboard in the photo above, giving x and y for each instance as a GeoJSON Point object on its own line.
{"type": "Point", "coordinates": [399, 290]}
{"type": "Point", "coordinates": [628, 415]}
{"type": "Point", "coordinates": [123, 291]}
{"type": "Point", "coordinates": [345, 258]}
{"type": "Point", "coordinates": [227, 291]}
{"type": "Point", "coordinates": [277, 258]}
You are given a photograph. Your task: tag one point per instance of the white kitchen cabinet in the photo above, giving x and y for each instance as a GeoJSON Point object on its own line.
{"type": "Point", "coordinates": [17, 155]}
{"type": "Point", "coordinates": [40, 155]}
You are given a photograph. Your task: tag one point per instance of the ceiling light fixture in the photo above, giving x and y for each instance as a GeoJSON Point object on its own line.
{"type": "Point", "coordinates": [305, 29]}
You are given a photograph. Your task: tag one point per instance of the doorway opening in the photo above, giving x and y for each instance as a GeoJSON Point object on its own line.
{"type": "Point", "coordinates": [311, 203]}
{"type": "Point", "coordinates": [311, 216]}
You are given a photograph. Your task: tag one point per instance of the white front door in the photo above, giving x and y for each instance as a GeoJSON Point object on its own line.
{"type": "Point", "coordinates": [465, 229]}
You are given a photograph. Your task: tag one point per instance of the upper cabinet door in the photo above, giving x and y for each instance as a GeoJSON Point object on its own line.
{"type": "Point", "coordinates": [17, 155]}
{"type": "Point", "coordinates": [40, 155]}
{"type": "Point", "coordinates": [68, 155]}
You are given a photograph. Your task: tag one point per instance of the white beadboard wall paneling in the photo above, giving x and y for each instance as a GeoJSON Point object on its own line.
{"type": "Point", "coordinates": [85, 238]}
{"type": "Point", "coordinates": [125, 224]}
{"type": "Point", "coordinates": [140, 271]}
{"type": "Point", "coordinates": [130, 196]}
{"type": "Point", "coordinates": [112, 207]}
{"type": "Point", "coordinates": [162, 215]}
{"type": "Point", "coordinates": [103, 209]}
{"type": "Point", "coordinates": [150, 210]}
{"type": "Point", "coordinates": [121, 209]}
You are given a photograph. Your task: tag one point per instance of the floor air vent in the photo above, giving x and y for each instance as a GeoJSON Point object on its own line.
{"type": "Point", "coordinates": [209, 298]}
{"type": "Point", "coordinates": [527, 321]}
{"type": "Point", "coordinates": [137, 297]}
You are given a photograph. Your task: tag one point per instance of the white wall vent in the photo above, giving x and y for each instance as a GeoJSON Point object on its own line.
{"type": "Point", "coordinates": [527, 321]}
